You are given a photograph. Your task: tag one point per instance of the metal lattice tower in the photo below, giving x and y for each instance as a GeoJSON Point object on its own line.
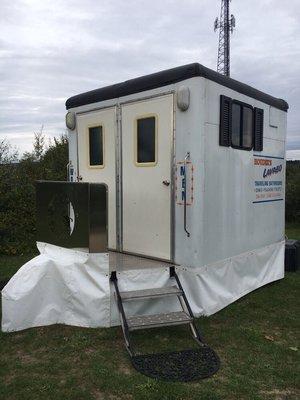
{"type": "Point", "coordinates": [225, 25]}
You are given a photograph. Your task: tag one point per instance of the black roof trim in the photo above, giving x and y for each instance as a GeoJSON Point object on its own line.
{"type": "Point", "coordinates": [168, 77]}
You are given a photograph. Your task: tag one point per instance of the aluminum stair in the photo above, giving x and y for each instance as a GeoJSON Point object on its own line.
{"type": "Point", "coordinates": [158, 320]}
{"type": "Point", "coordinates": [183, 365]}
{"type": "Point", "coordinates": [150, 293]}
{"type": "Point", "coordinates": [137, 322]}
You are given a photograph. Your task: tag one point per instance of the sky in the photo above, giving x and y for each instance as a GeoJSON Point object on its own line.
{"type": "Point", "coordinates": [53, 49]}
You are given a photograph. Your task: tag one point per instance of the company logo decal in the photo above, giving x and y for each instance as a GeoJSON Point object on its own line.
{"type": "Point", "coordinates": [271, 171]}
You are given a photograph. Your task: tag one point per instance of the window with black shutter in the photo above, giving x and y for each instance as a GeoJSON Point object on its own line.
{"type": "Point", "coordinates": [236, 124]}
{"type": "Point", "coordinates": [242, 126]}
{"type": "Point", "coordinates": [258, 129]}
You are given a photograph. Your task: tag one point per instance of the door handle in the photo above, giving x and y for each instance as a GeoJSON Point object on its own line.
{"type": "Point", "coordinates": [166, 182]}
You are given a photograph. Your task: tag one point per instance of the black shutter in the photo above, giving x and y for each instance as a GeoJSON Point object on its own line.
{"type": "Point", "coordinates": [258, 129]}
{"type": "Point", "coordinates": [225, 121]}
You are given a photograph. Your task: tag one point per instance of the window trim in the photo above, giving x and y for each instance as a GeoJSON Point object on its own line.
{"type": "Point", "coordinates": [242, 104]}
{"type": "Point", "coordinates": [98, 166]}
{"type": "Point", "coordinates": [135, 141]}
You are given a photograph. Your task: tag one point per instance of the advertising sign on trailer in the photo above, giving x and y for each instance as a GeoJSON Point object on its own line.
{"type": "Point", "coordinates": [268, 179]}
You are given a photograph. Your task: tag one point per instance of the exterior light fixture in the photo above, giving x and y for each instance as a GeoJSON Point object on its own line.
{"type": "Point", "coordinates": [71, 120]}
{"type": "Point", "coordinates": [183, 98]}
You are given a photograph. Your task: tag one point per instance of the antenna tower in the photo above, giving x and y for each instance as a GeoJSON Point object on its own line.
{"type": "Point", "coordinates": [225, 25]}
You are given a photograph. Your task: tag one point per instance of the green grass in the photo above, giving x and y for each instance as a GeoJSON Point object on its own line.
{"type": "Point", "coordinates": [257, 339]}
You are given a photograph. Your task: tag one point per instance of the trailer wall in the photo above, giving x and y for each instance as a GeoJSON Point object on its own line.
{"type": "Point", "coordinates": [226, 218]}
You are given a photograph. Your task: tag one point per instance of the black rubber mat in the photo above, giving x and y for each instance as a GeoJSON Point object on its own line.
{"type": "Point", "coordinates": [182, 366]}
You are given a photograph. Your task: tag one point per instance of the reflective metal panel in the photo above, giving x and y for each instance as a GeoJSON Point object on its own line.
{"type": "Point", "coordinates": [98, 232]}
{"type": "Point", "coordinates": [72, 214]}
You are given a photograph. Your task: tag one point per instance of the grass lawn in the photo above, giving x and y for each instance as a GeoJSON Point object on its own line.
{"type": "Point", "coordinates": [257, 339]}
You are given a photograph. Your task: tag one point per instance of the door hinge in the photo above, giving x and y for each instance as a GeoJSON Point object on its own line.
{"type": "Point", "coordinates": [118, 114]}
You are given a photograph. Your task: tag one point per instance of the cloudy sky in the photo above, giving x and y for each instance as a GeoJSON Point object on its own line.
{"type": "Point", "coordinates": [53, 49]}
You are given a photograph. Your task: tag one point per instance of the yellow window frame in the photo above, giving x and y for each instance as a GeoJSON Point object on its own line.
{"type": "Point", "coordinates": [99, 166]}
{"type": "Point", "coordinates": [145, 164]}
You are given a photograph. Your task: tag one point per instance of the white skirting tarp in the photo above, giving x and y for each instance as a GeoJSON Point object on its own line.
{"type": "Point", "coordinates": [214, 286]}
{"type": "Point", "coordinates": [58, 286]}
{"type": "Point", "coordinates": [72, 287]}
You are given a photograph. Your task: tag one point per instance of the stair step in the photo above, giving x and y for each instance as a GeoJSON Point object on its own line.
{"type": "Point", "coordinates": [157, 320]}
{"type": "Point", "coordinates": [151, 293]}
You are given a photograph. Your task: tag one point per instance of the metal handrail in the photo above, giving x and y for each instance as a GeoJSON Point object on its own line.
{"type": "Point", "coordinates": [114, 280]}
{"type": "Point", "coordinates": [195, 330]}
{"type": "Point", "coordinates": [186, 158]}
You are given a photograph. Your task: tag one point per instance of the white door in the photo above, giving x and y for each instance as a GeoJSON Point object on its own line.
{"type": "Point", "coordinates": [96, 157]}
{"type": "Point", "coordinates": [147, 132]}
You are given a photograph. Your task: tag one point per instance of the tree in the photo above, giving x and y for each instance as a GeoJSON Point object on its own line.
{"type": "Point", "coordinates": [8, 153]}
{"type": "Point", "coordinates": [8, 165]}
{"type": "Point", "coordinates": [55, 159]}
{"type": "Point", "coordinates": [39, 147]}
{"type": "Point", "coordinates": [39, 144]}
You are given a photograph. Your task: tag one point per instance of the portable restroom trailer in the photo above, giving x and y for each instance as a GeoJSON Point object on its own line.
{"type": "Point", "coordinates": [194, 163]}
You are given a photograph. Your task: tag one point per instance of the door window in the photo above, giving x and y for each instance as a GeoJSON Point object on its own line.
{"type": "Point", "coordinates": [146, 146]}
{"type": "Point", "coordinates": [96, 146]}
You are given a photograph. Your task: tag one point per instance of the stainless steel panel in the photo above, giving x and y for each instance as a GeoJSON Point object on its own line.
{"type": "Point", "coordinates": [72, 214]}
{"type": "Point", "coordinates": [124, 262]}
{"type": "Point", "coordinates": [98, 232]}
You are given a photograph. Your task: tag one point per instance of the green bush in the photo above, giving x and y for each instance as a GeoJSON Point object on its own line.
{"type": "Point", "coordinates": [292, 205]}
{"type": "Point", "coordinates": [17, 194]}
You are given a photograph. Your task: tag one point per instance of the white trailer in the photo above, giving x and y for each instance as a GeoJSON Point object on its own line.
{"type": "Point", "coordinates": [195, 167]}
{"type": "Point", "coordinates": [194, 163]}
